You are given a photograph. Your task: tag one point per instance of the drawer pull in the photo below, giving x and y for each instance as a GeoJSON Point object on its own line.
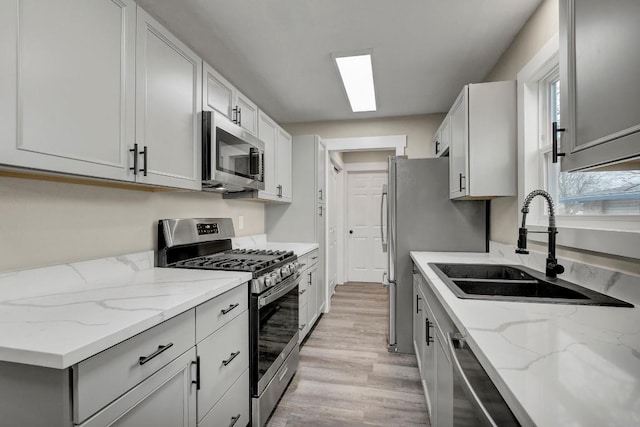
{"type": "Point", "coordinates": [233, 356]}
{"type": "Point", "coordinates": [315, 257]}
{"type": "Point", "coordinates": [234, 420]}
{"type": "Point", "coordinates": [302, 291]}
{"type": "Point", "coordinates": [161, 349]}
{"type": "Point", "coordinates": [231, 307]}
{"type": "Point", "coordinates": [302, 327]}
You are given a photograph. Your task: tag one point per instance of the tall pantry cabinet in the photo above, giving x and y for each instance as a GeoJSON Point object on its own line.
{"type": "Point", "coordinates": [305, 219]}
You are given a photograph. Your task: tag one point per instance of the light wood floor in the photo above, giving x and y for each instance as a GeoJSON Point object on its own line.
{"type": "Point", "coordinates": [346, 376]}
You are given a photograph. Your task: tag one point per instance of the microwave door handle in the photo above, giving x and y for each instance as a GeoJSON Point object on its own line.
{"type": "Point", "coordinates": [207, 121]}
{"type": "Point", "coordinates": [254, 161]}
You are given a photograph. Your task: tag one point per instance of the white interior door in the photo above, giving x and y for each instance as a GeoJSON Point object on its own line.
{"type": "Point", "coordinates": [366, 261]}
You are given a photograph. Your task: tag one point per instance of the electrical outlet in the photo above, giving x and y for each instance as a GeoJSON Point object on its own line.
{"type": "Point", "coordinates": [240, 222]}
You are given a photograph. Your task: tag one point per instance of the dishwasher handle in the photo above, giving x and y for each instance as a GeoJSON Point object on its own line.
{"type": "Point", "coordinates": [500, 414]}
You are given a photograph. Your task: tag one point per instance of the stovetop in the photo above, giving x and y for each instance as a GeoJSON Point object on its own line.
{"type": "Point", "coordinates": [256, 261]}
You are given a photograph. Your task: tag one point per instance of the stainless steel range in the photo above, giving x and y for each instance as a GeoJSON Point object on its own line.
{"type": "Point", "coordinates": [205, 243]}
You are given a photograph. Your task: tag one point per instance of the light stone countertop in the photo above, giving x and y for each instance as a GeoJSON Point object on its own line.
{"type": "Point", "coordinates": [60, 315]}
{"type": "Point", "coordinates": [555, 364]}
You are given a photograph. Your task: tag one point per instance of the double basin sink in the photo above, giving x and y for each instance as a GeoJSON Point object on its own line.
{"type": "Point", "coordinates": [516, 283]}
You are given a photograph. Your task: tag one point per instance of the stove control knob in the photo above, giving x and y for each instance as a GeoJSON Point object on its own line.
{"type": "Point", "coordinates": [268, 282]}
{"type": "Point", "coordinates": [285, 271]}
{"type": "Point", "coordinates": [275, 278]}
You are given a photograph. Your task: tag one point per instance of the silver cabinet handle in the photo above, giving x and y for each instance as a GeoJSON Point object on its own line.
{"type": "Point", "coordinates": [161, 349]}
{"type": "Point", "coordinates": [231, 357]}
{"type": "Point", "coordinates": [231, 307]}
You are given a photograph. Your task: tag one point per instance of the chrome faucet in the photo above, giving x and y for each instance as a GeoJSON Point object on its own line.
{"type": "Point", "coordinates": [553, 268]}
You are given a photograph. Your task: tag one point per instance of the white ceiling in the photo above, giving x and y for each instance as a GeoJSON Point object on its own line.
{"type": "Point", "coordinates": [278, 52]}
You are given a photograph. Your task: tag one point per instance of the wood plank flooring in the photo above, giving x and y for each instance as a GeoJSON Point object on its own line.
{"type": "Point", "coordinates": [346, 376]}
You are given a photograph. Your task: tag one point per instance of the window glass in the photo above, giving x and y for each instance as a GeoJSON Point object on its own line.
{"type": "Point", "coordinates": [589, 193]}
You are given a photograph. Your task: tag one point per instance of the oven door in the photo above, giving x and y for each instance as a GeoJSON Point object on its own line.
{"type": "Point", "coordinates": [231, 155]}
{"type": "Point", "coordinates": [274, 331]}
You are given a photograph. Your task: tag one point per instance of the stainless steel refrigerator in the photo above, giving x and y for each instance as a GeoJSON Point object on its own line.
{"type": "Point", "coordinates": [421, 217]}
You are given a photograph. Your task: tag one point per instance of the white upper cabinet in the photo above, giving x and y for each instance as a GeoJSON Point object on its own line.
{"type": "Point", "coordinates": [218, 94]}
{"type": "Point", "coordinates": [277, 160]}
{"type": "Point", "coordinates": [168, 102]}
{"type": "Point", "coordinates": [482, 151]}
{"type": "Point", "coordinates": [599, 69]}
{"type": "Point", "coordinates": [267, 130]}
{"type": "Point", "coordinates": [283, 164]}
{"type": "Point", "coordinates": [67, 88]}
{"type": "Point", "coordinates": [442, 138]}
{"type": "Point", "coordinates": [246, 113]}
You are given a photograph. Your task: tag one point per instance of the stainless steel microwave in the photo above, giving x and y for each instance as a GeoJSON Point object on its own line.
{"type": "Point", "coordinates": [232, 158]}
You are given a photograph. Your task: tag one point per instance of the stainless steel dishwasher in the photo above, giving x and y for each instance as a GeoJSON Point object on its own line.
{"type": "Point", "coordinates": [476, 400]}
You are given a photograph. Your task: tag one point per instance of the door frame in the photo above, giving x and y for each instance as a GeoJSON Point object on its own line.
{"type": "Point", "coordinates": [352, 169]}
{"type": "Point", "coordinates": [367, 143]}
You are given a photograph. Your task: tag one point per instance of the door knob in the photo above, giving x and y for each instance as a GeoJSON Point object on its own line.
{"type": "Point", "coordinates": [350, 231]}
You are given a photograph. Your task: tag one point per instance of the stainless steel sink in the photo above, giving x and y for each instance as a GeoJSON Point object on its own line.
{"type": "Point", "coordinates": [516, 283]}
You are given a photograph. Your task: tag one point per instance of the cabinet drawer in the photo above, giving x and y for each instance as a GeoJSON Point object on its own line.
{"type": "Point", "coordinates": [214, 314]}
{"type": "Point", "coordinates": [100, 379]}
{"type": "Point", "coordinates": [219, 368]}
{"type": "Point", "coordinates": [233, 408]}
{"type": "Point", "coordinates": [166, 399]}
{"type": "Point", "coordinates": [312, 258]}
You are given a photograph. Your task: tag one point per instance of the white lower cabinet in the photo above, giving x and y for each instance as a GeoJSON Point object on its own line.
{"type": "Point", "coordinates": [100, 379]}
{"type": "Point", "coordinates": [222, 357]}
{"type": "Point", "coordinates": [311, 293]}
{"type": "Point", "coordinates": [162, 377]}
{"type": "Point", "coordinates": [430, 329]}
{"type": "Point", "coordinates": [166, 399]}
{"type": "Point", "coordinates": [233, 407]}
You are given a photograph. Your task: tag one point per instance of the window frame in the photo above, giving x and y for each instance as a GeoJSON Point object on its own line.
{"type": "Point", "coordinates": [616, 235]}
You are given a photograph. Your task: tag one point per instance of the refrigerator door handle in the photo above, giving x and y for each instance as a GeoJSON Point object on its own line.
{"type": "Point", "coordinates": [384, 195]}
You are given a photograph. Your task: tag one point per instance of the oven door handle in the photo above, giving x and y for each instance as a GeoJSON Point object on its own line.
{"type": "Point", "coordinates": [279, 291]}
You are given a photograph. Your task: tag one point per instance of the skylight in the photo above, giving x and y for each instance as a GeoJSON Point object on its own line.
{"type": "Point", "coordinates": [357, 77]}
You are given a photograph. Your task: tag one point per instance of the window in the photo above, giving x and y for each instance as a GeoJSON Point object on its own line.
{"type": "Point", "coordinates": [595, 210]}
{"type": "Point", "coordinates": [596, 193]}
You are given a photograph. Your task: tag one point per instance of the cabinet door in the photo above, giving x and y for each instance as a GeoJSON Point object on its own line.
{"type": "Point", "coordinates": [312, 300]}
{"type": "Point", "coordinates": [445, 136]}
{"type": "Point", "coordinates": [224, 356]}
{"type": "Point", "coordinates": [267, 133]}
{"type": "Point", "coordinates": [72, 108]}
{"type": "Point", "coordinates": [283, 164]}
{"type": "Point", "coordinates": [322, 172]}
{"type": "Point", "coordinates": [418, 320]}
{"type": "Point", "coordinates": [166, 399]}
{"type": "Point", "coordinates": [458, 146]}
{"type": "Point", "coordinates": [217, 92]}
{"type": "Point", "coordinates": [599, 68]}
{"type": "Point", "coordinates": [444, 385]}
{"type": "Point", "coordinates": [247, 114]}
{"type": "Point", "coordinates": [168, 86]}
{"type": "Point", "coordinates": [429, 358]}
